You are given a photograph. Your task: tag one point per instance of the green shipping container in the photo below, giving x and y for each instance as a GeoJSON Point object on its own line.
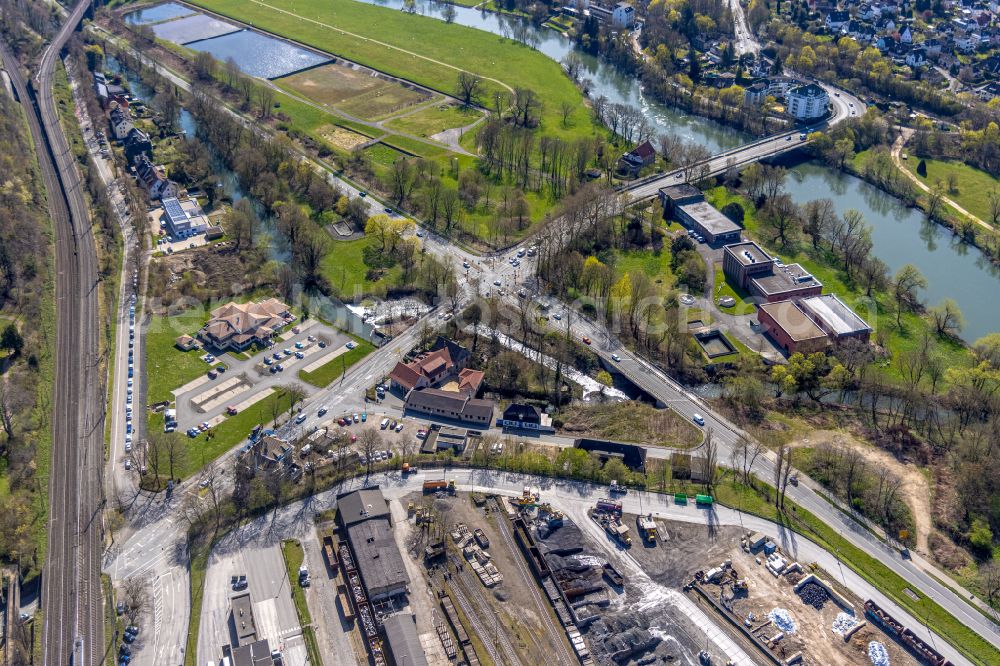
{"type": "Point", "coordinates": [681, 498]}
{"type": "Point", "coordinates": [703, 499]}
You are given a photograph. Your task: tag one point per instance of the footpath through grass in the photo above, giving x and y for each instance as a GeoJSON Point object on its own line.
{"type": "Point", "coordinates": [419, 48]}
{"type": "Point", "coordinates": [974, 186]}
{"type": "Point", "coordinates": [331, 370]}
{"type": "Point", "coordinates": [292, 551]}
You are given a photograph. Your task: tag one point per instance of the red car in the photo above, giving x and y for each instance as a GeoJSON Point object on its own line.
{"type": "Point", "coordinates": [586, 340]}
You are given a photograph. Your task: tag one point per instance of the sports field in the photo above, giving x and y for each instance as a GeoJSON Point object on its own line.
{"type": "Point", "coordinates": [420, 49]}
{"type": "Point", "coordinates": [356, 92]}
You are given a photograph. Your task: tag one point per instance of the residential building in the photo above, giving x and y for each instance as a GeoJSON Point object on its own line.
{"type": "Point", "coordinates": [791, 328]}
{"type": "Point", "coordinates": [239, 325]}
{"type": "Point", "coordinates": [807, 102]}
{"type": "Point", "coordinates": [137, 143]}
{"type": "Point", "coordinates": [401, 638]}
{"type": "Point", "coordinates": [916, 57]}
{"type": "Point", "coordinates": [186, 343]}
{"type": "Point", "coordinates": [623, 16]}
{"type": "Point", "coordinates": [270, 454]}
{"type": "Point", "coordinates": [686, 204]}
{"type": "Point", "coordinates": [444, 366]}
{"type": "Point", "coordinates": [183, 218]}
{"type": "Point", "coordinates": [633, 161]}
{"type": "Point", "coordinates": [519, 416]}
{"type": "Point", "coordinates": [836, 20]}
{"type": "Point", "coordinates": [755, 93]}
{"type": "Point", "coordinates": [364, 516]}
{"type": "Point", "coordinates": [449, 405]}
{"type": "Point", "coordinates": [121, 122]}
{"type": "Point", "coordinates": [837, 320]}
{"type": "Point", "coordinates": [154, 179]}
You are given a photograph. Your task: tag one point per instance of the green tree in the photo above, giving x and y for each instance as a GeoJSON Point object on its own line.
{"type": "Point", "coordinates": [922, 168]}
{"type": "Point", "coordinates": [11, 340]}
{"type": "Point", "coordinates": [905, 285]}
{"type": "Point", "coordinates": [980, 536]}
{"type": "Point", "coordinates": [605, 378]}
{"type": "Point", "coordinates": [734, 211]}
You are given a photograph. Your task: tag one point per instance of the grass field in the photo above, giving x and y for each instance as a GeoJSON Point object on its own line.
{"type": "Point", "coordinates": [428, 122]}
{"type": "Point", "coordinates": [656, 266]}
{"type": "Point", "coordinates": [383, 155]}
{"type": "Point", "coordinates": [332, 370]}
{"type": "Point", "coordinates": [344, 267]}
{"type": "Point", "coordinates": [352, 91]}
{"type": "Point", "coordinates": [418, 48]}
{"type": "Point", "coordinates": [974, 186]}
{"type": "Point", "coordinates": [167, 367]}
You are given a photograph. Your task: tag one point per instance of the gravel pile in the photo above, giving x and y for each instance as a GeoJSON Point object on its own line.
{"type": "Point", "coordinates": [878, 654]}
{"type": "Point", "coordinates": [782, 619]}
{"type": "Point", "coordinates": [843, 623]}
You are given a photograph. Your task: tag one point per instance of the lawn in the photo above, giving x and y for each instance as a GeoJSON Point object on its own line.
{"type": "Point", "coordinates": [723, 288]}
{"type": "Point", "coordinates": [291, 550]}
{"type": "Point", "coordinates": [431, 120]}
{"type": "Point", "coordinates": [345, 268]}
{"type": "Point", "coordinates": [879, 312]}
{"type": "Point", "coordinates": [332, 370]}
{"type": "Point", "coordinates": [206, 447]}
{"type": "Point", "coordinates": [974, 186]}
{"type": "Point", "coordinates": [382, 154]}
{"type": "Point", "coordinates": [166, 366]}
{"type": "Point", "coordinates": [655, 265]}
{"type": "Point", "coordinates": [419, 48]}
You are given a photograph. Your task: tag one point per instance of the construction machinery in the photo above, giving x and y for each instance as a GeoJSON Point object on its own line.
{"type": "Point", "coordinates": [618, 530]}
{"type": "Point", "coordinates": [529, 498]}
{"type": "Point", "coordinates": [647, 527]}
{"type": "Point", "coordinates": [609, 506]}
{"type": "Point", "coordinates": [617, 488]}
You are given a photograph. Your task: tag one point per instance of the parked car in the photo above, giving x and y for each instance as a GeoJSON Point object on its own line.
{"type": "Point", "coordinates": [586, 340]}
{"type": "Point", "coordinates": [355, 417]}
{"type": "Point", "coordinates": [212, 374]}
{"type": "Point", "coordinates": [299, 354]}
{"type": "Point", "coordinates": [322, 345]}
{"type": "Point", "coordinates": [399, 427]}
{"type": "Point", "coordinates": [351, 345]}
{"type": "Point", "coordinates": [421, 434]}
{"type": "Point", "coordinates": [268, 361]}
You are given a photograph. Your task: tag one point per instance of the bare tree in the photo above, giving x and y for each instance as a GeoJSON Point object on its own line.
{"type": "Point", "coordinates": [711, 458]}
{"type": "Point", "coordinates": [745, 454]}
{"type": "Point", "coordinates": [786, 474]}
{"type": "Point", "coordinates": [370, 442]}
{"type": "Point", "coordinates": [135, 595]}
{"type": "Point", "coordinates": [469, 87]}
{"type": "Point", "coordinates": [777, 473]}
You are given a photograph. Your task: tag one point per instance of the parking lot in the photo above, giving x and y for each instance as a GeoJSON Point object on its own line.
{"type": "Point", "coordinates": [246, 381]}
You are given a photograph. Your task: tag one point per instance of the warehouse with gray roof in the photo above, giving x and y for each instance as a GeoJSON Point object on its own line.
{"type": "Point", "coordinates": [364, 517]}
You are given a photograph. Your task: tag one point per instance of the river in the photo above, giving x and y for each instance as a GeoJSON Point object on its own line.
{"type": "Point", "coordinates": [900, 234]}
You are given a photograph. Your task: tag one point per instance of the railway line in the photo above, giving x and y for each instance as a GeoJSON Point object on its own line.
{"type": "Point", "coordinates": [71, 588]}
{"type": "Point", "coordinates": [541, 604]}
{"type": "Point", "coordinates": [502, 642]}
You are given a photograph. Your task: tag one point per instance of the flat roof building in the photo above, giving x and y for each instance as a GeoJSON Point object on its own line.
{"type": "Point", "coordinates": [836, 319]}
{"type": "Point", "coordinates": [687, 205]}
{"type": "Point", "coordinates": [788, 282]}
{"type": "Point", "coordinates": [743, 261]}
{"type": "Point", "coordinates": [361, 505]}
{"type": "Point", "coordinates": [245, 626]}
{"type": "Point", "coordinates": [791, 328]}
{"type": "Point", "coordinates": [404, 644]}
{"type": "Point", "coordinates": [183, 218]}
{"type": "Point", "coordinates": [633, 456]}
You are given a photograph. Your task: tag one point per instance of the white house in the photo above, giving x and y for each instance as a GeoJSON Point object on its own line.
{"type": "Point", "coordinates": [906, 36]}
{"type": "Point", "coordinates": [916, 57]}
{"type": "Point", "coordinates": [836, 20]}
{"type": "Point", "coordinates": [807, 102]}
{"type": "Point", "coordinates": [623, 16]}
{"type": "Point", "coordinates": [121, 122]}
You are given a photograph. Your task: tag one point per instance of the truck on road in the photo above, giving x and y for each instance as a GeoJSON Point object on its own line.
{"type": "Point", "coordinates": [439, 486]}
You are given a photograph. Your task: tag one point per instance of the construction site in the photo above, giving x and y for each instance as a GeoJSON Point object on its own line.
{"type": "Point", "coordinates": [790, 612]}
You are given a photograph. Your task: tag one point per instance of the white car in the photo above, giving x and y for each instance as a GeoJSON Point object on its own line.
{"type": "Point", "coordinates": [496, 283]}
{"type": "Point", "coordinates": [616, 358]}
{"type": "Point", "coordinates": [699, 419]}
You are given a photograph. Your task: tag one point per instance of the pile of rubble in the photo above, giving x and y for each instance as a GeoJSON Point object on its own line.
{"type": "Point", "coordinates": [813, 595]}
{"type": "Point", "coordinates": [618, 637]}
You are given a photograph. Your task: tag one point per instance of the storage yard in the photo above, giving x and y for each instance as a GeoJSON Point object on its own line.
{"type": "Point", "coordinates": [789, 611]}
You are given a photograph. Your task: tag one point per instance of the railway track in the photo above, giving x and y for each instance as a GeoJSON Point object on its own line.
{"type": "Point", "coordinates": [529, 579]}
{"type": "Point", "coordinates": [502, 640]}
{"type": "Point", "coordinates": [71, 588]}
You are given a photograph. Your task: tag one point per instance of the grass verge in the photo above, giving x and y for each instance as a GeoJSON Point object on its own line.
{"type": "Point", "coordinates": [166, 366]}
{"type": "Point", "coordinates": [328, 372]}
{"type": "Point", "coordinates": [291, 550]}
